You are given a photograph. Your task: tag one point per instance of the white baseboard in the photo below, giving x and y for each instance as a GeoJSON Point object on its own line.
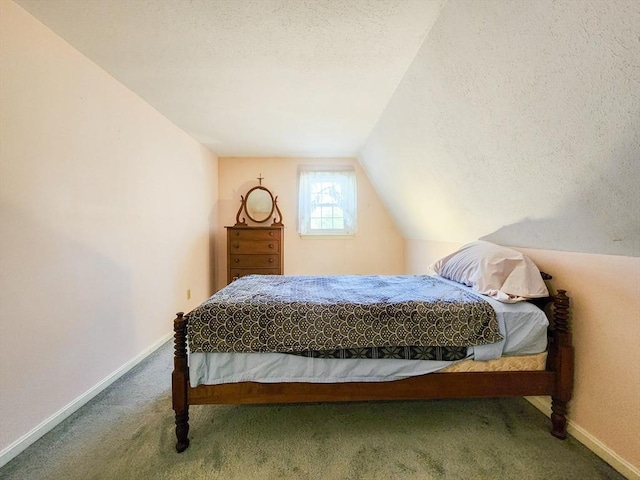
{"type": "Point", "coordinates": [596, 446]}
{"type": "Point", "coordinates": [17, 447]}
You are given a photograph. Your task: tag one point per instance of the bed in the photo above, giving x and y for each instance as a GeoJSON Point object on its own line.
{"type": "Point", "coordinates": [293, 339]}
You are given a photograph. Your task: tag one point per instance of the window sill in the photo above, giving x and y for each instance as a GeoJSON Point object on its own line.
{"type": "Point", "coordinates": [326, 236]}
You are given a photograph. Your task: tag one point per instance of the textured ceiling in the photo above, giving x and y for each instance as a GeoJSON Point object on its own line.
{"type": "Point", "coordinates": [519, 123]}
{"type": "Point", "coordinates": [253, 77]}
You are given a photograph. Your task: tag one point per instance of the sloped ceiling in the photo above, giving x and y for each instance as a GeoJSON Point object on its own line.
{"type": "Point", "coordinates": [253, 77]}
{"type": "Point", "coordinates": [519, 123]}
{"type": "Point", "coordinates": [512, 121]}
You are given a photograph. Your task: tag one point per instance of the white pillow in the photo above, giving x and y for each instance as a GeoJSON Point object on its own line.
{"type": "Point", "coordinates": [500, 272]}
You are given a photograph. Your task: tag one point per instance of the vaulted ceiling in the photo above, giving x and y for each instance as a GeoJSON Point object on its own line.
{"type": "Point", "coordinates": [513, 121]}
{"type": "Point", "coordinates": [253, 77]}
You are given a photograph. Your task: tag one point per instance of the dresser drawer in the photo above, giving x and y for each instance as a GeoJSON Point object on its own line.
{"type": "Point", "coordinates": [235, 273]}
{"type": "Point", "coordinates": [256, 250]}
{"type": "Point", "coordinates": [254, 234]}
{"type": "Point", "coordinates": [264, 261]}
{"type": "Point", "coordinates": [254, 247]}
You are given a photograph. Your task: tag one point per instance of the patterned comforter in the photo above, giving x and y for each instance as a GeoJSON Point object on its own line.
{"type": "Point", "coordinates": [277, 313]}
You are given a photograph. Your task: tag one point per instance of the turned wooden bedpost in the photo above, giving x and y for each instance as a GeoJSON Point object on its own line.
{"type": "Point", "coordinates": [180, 381]}
{"type": "Point", "coordinates": [562, 364]}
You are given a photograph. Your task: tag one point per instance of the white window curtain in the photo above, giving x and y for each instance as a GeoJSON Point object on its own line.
{"type": "Point", "coordinates": [327, 202]}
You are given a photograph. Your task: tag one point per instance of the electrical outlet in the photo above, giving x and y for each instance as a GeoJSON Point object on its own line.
{"type": "Point", "coordinates": [188, 294]}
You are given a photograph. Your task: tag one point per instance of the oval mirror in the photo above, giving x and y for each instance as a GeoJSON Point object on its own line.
{"type": "Point", "coordinates": [259, 204]}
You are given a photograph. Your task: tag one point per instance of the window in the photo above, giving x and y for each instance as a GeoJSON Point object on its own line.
{"type": "Point", "coordinates": [327, 201]}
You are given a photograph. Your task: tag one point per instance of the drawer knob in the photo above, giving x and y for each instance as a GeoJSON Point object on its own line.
{"type": "Point", "coordinates": [237, 260]}
{"type": "Point", "coordinates": [271, 260]}
{"type": "Point", "coordinates": [271, 245]}
{"type": "Point", "coordinates": [237, 245]}
{"type": "Point", "coordinates": [271, 234]}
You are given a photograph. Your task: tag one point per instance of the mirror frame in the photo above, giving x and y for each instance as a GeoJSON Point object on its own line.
{"type": "Point", "coordinates": [244, 199]}
{"type": "Point", "coordinates": [247, 204]}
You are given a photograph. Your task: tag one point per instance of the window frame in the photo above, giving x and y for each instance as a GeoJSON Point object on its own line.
{"type": "Point", "coordinates": [342, 176]}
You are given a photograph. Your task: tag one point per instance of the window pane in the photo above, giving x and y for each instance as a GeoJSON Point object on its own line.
{"type": "Point", "coordinates": [327, 201]}
{"type": "Point", "coordinates": [327, 212]}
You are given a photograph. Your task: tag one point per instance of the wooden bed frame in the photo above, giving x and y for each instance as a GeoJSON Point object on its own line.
{"type": "Point", "coordinates": [556, 380]}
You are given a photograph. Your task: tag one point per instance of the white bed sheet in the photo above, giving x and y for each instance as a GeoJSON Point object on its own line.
{"type": "Point", "coordinates": [523, 325]}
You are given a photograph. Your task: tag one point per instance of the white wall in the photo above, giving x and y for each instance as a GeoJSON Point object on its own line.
{"type": "Point", "coordinates": [518, 122]}
{"type": "Point", "coordinates": [106, 212]}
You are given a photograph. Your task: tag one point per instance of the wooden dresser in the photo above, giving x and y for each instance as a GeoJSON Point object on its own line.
{"type": "Point", "coordinates": [254, 250]}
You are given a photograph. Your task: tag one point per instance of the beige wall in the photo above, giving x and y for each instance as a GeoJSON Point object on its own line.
{"type": "Point", "coordinates": [376, 248]}
{"type": "Point", "coordinates": [605, 300]}
{"type": "Point", "coordinates": [105, 216]}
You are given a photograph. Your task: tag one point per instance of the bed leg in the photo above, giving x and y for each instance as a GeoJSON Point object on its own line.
{"type": "Point", "coordinates": [563, 366]}
{"type": "Point", "coordinates": [180, 382]}
{"type": "Point", "coordinates": [559, 419]}
{"type": "Point", "coordinates": [182, 431]}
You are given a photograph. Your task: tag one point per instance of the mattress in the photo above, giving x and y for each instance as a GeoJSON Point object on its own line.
{"type": "Point", "coordinates": [518, 363]}
{"type": "Point", "coordinates": [523, 326]}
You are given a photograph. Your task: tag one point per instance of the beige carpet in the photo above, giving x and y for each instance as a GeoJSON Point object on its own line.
{"type": "Point", "coordinates": [127, 433]}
